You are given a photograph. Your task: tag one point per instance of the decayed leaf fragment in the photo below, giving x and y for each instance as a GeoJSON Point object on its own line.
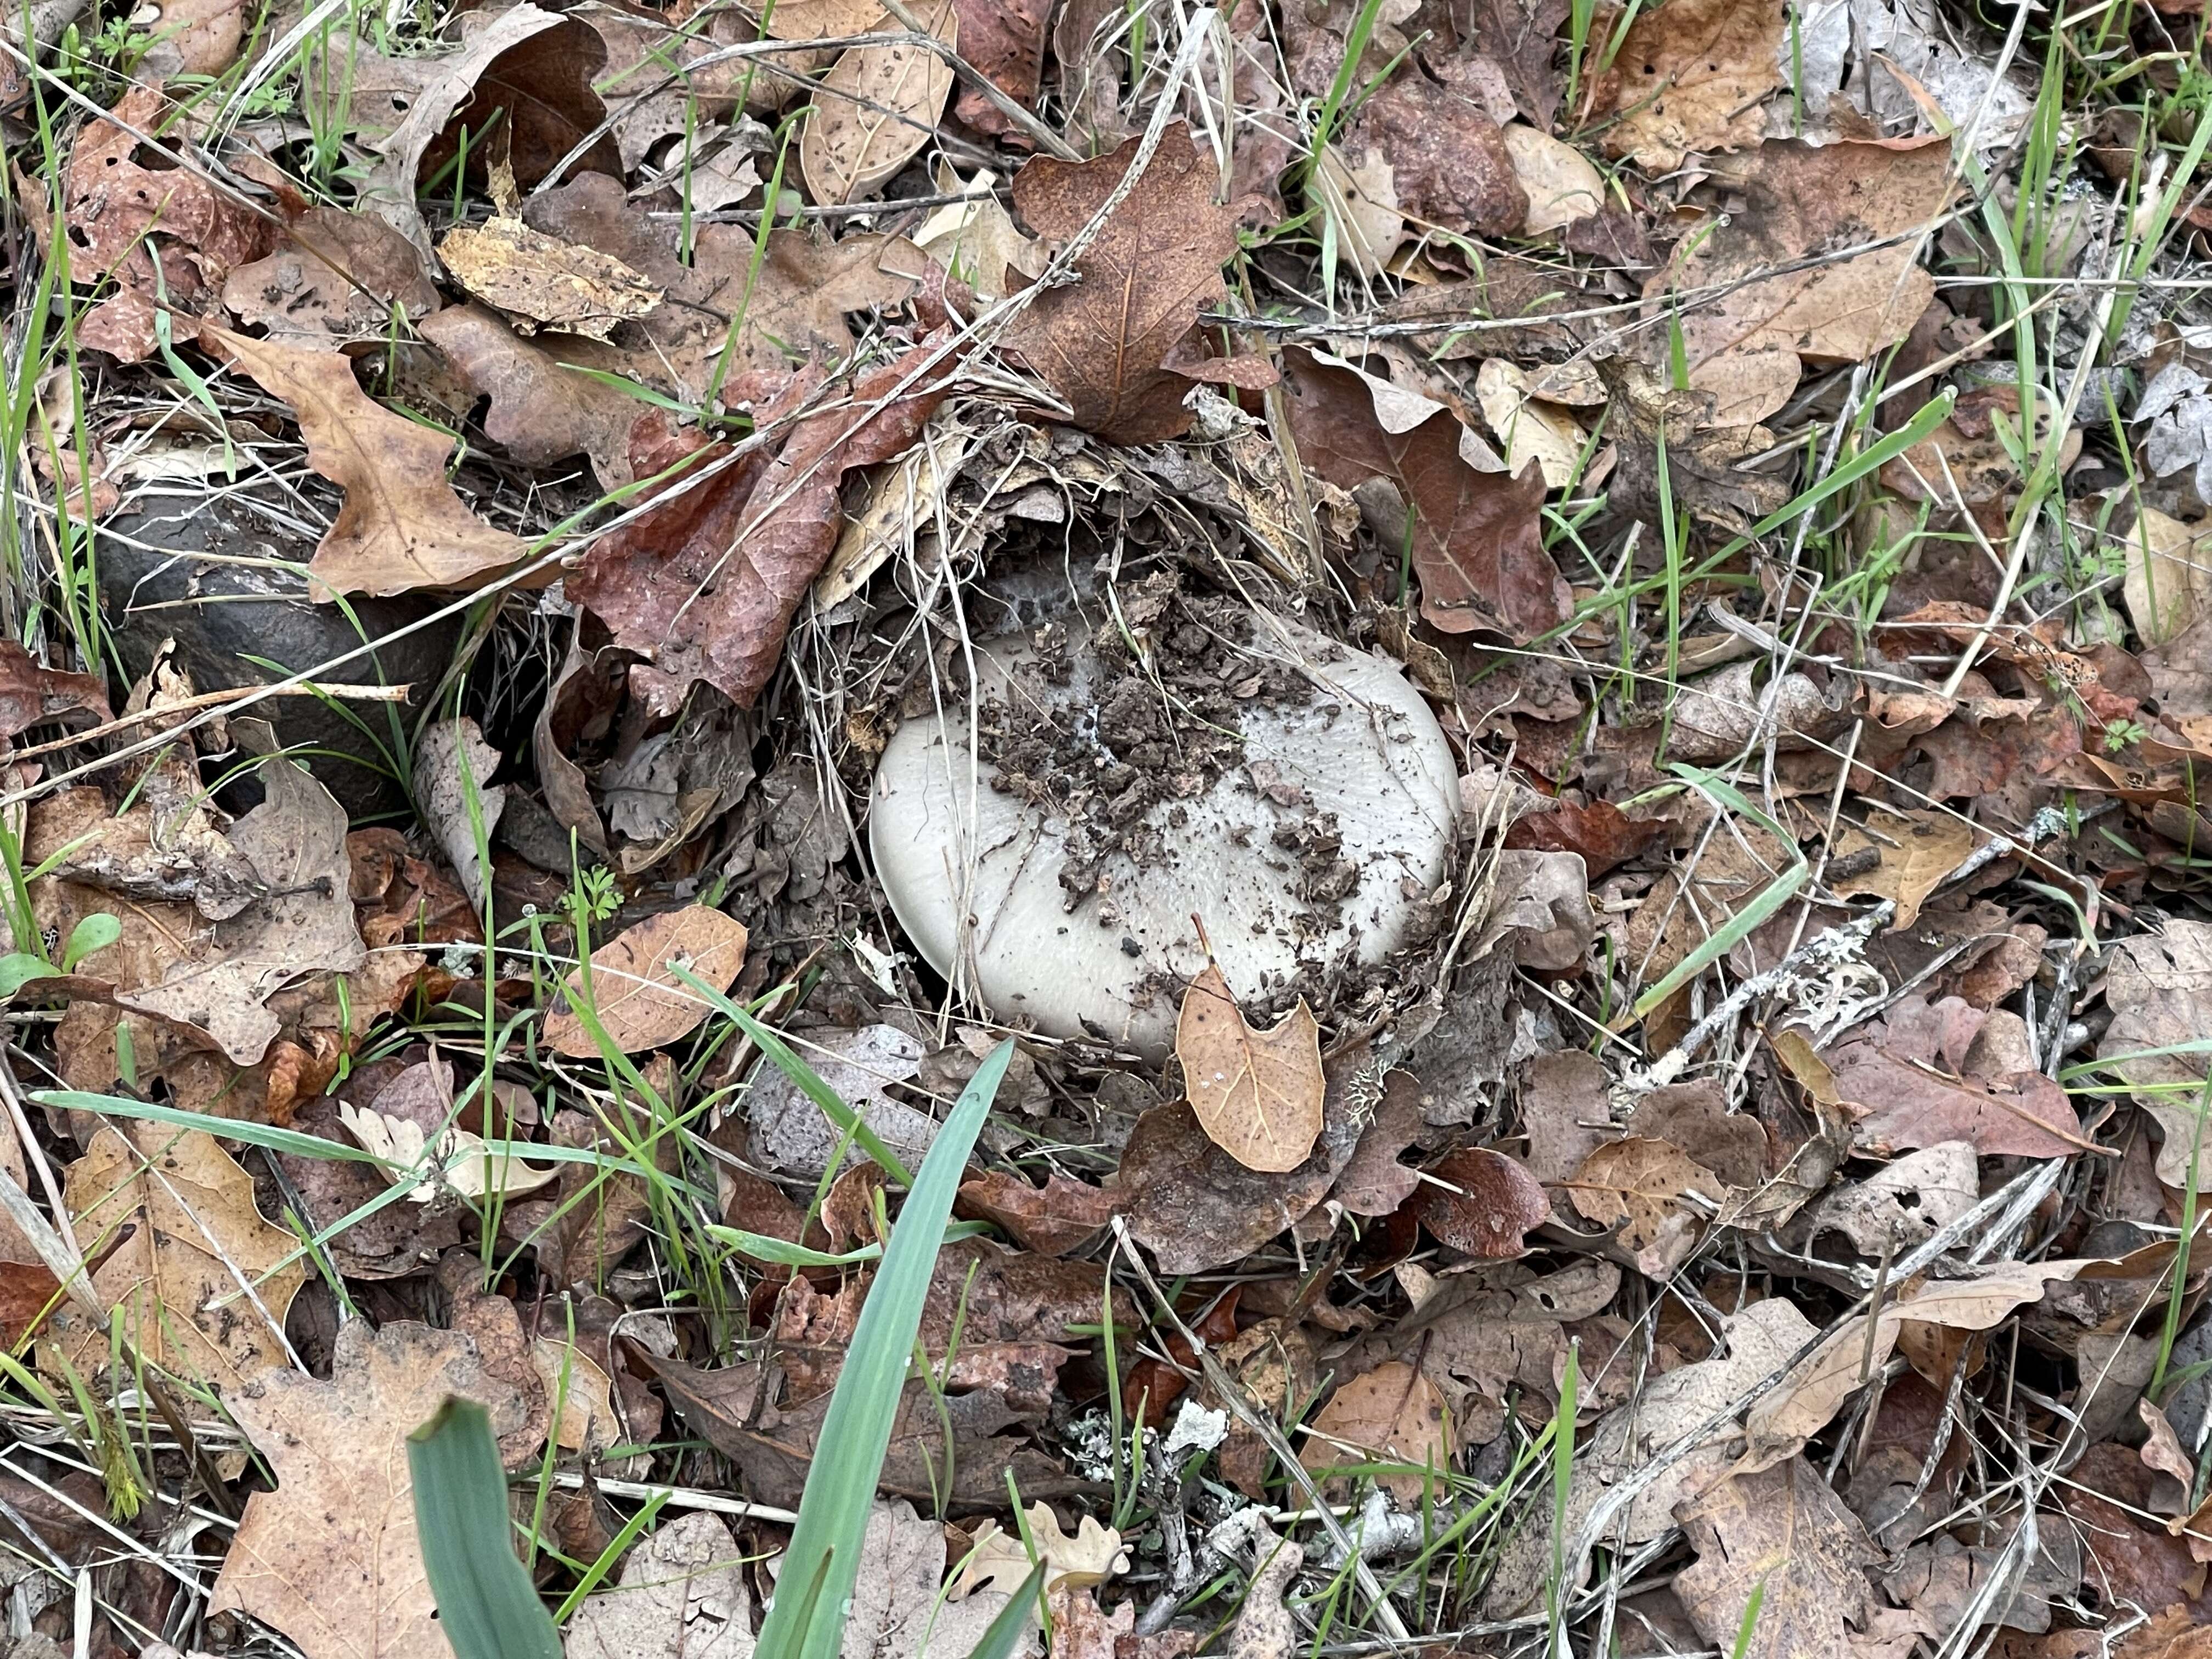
{"type": "Point", "coordinates": [1392, 1415]}
{"type": "Point", "coordinates": [1107, 343]}
{"type": "Point", "coordinates": [455, 1161]}
{"type": "Point", "coordinates": [1645, 1187]}
{"type": "Point", "coordinates": [1694, 76]}
{"type": "Point", "coordinates": [875, 108]}
{"type": "Point", "coordinates": [2160, 989]}
{"type": "Point", "coordinates": [1786, 1530]}
{"type": "Point", "coordinates": [173, 1215]}
{"type": "Point", "coordinates": [682, 1591]}
{"type": "Point", "coordinates": [1000, 1560]}
{"type": "Point", "coordinates": [330, 1557]}
{"type": "Point", "coordinates": [540, 281]}
{"type": "Point", "coordinates": [1257, 1094]}
{"type": "Point", "coordinates": [401, 527]}
{"type": "Point", "coordinates": [634, 997]}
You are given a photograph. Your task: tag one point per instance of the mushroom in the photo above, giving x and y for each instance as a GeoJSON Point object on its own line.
{"type": "Point", "coordinates": [1295, 797]}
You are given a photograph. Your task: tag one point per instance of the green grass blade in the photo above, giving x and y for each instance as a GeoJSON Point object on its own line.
{"type": "Point", "coordinates": [833, 1512]}
{"type": "Point", "coordinates": [486, 1603]}
{"type": "Point", "coordinates": [1011, 1629]}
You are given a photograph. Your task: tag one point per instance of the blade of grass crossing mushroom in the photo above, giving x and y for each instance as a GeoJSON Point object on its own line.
{"type": "Point", "coordinates": [486, 1604]}
{"type": "Point", "coordinates": [803, 1075]}
{"type": "Point", "coordinates": [833, 1512]}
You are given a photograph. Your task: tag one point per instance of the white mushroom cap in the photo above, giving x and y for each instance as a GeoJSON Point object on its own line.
{"type": "Point", "coordinates": [973, 873]}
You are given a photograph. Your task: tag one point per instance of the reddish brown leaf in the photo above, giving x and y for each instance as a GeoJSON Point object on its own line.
{"type": "Point", "coordinates": [1478, 541]}
{"type": "Point", "coordinates": [1496, 1200]}
{"type": "Point", "coordinates": [1600, 832]}
{"type": "Point", "coordinates": [1943, 1071]}
{"type": "Point", "coordinates": [1004, 40]}
{"type": "Point", "coordinates": [122, 218]}
{"type": "Point", "coordinates": [1153, 1385]}
{"type": "Point", "coordinates": [1447, 158]}
{"type": "Point", "coordinates": [1053, 1219]}
{"type": "Point", "coordinates": [30, 693]}
{"type": "Point", "coordinates": [705, 585]}
{"type": "Point", "coordinates": [1103, 342]}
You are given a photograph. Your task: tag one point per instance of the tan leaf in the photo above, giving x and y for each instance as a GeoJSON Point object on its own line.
{"type": "Point", "coordinates": [874, 110]}
{"type": "Point", "coordinates": [824, 19]}
{"type": "Point", "coordinates": [1531, 431]}
{"type": "Point", "coordinates": [682, 1591]}
{"type": "Point", "coordinates": [1257, 1094]}
{"type": "Point", "coordinates": [1693, 76]}
{"type": "Point", "coordinates": [1816, 1388]}
{"type": "Point", "coordinates": [1102, 341]}
{"type": "Point", "coordinates": [2158, 986]}
{"type": "Point", "coordinates": [638, 1001]}
{"type": "Point", "coordinates": [454, 794]}
{"type": "Point", "coordinates": [1915, 853]}
{"type": "Point", "coordinates": [975, 239]}
{"type": "Point", "coordinates": [455, 1161]}
{"type": "Point", "coordinates": [2169, 576]}
{"type": "Point", "coordinates": [401, 526]}
{"type": "Point", "coordinates": [1000, 1560]}
{"type": "Point", "coordinates": [1265, 1628]}
{"type": "Point", "coordinates": [176, 1212]}
{"type": "Point", "coordinates": [895, 1613]}
{"type": "Point", "coordinates": [1785, 1535]}
{"type": "Point", "coordinates": [540, 281]}
{"type": "Point", "coordinates": [331, 1557]}
{"type": "Point", "coordinates": [1642, 1184]}
{"type": "Point", "coordinates": [1562, 185]}
{"type": "Point", "coordinates": [1361, 204]}
{"type": "Point", "coordinates": [1801, 201]}
{"type": "Point", "coordinates": [1392, 1415]}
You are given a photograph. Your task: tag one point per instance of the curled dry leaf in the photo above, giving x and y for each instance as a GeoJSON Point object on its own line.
{"type": "Point", "coordinates": [1531, 431]}
{"type": "Point", "coordinates": [635, 995]}
{"type": "Point", "coordinates": [1392, 1415]}
{"type": "Point", "coordinates": [31, 694]}
{"type": "Point", "coordinates": [1060, 1217]}
{"type": "Point", "coordinates": [173, 1214]}
{"type": "Point", "coordinates": [541, 282]}
{"type": "Point", "coordinates": [1903, 1205]}
{"type": "Point", "coordinates": [1257, 1094]}
{"type": "Point", "coordinates": [1107, 343]}
{"type": "Point", "coordinates": [454, 794]}
{"type": "Point", "coordinates": [875, 109]}
{"type": "Point", "coordinates": [1000, 1560]}
{"type": "Point", "coordinates": [1477, 539]}
{"type": "Point", "coordinates": [332, 1556]}
{"type": "Point", "coordinates": [454, 1160]}
{"type": "Point", "coordinates": [1482, 1201]}
{"type": "Point", "coordinates": [1644, 1187]}
{"type": "Point", "coordinates": [401, 526]}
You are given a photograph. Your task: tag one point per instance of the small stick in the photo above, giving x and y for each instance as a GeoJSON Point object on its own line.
{"type": "Point", "coordinates": [209, 700]}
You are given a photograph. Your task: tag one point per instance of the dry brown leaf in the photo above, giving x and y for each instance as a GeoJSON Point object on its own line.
{"type": "Point", "coordinates": [401, 527]}
{"type": "Point", "coordinates": [705, 585]}
{"type": "Point", "coordinates": [1449, 164]}
{"type": "Point", "coordinates": [1477, 538]}
{"type": "Point", "coordinates": [455, 795]}
{"type": "Point", "coordinates": [1060, 1217]}
{"type": "Point", "coordinates": [1785, 1535]}
{"type": "Point", "coordinates": [1375, 1183]}
{"type": "Point", "coordinates": [1945, 1071]}
{"type": "Point", "coordinates": [1000, 1560]}
{"type": "Point", "coordinates": [540, 281]}
{"type": "Point", "coordinates": [164, 233]}
{"type": "Point", "coordinates": [1694, 76]}
{"type": "Point", "coordinates": [1703, 454]}
{"type": "Point", "coordinates": [1080, 1631]}
{"type": "Point", "coordinates": [1104, 343]}
{"type": "Point", "coordinates": [331, 1557]}
{"type": "Point", "coordinates": [1392, 1415]}
{"type": "Point", "coordinates": [1003, 41]}
{"type": "Point", "coordinates": [1482, 1201]}
{"type": "Point", "coordinates": [2168, 588]}
{"type": "Point", "coordinates": [1642, 1186]}
{"type": "Point", "coordinates": [1914, 853]}
{"type": "Point", "coordinates": [1782, 295]}
{"type": "Point", "coordinates": [1561, 184]}
{"type": "Point", "coordinates": [636, 998]}
{"type": "Point", "coordinates": [1816, 1388]}
{"type": "Point", "coordinates": [1530, 430]}
{"type": "Point", "coordinates": [1360, 200]}
{"type": "Point", "coordinates": [299, 298]}
{"type": "Point", "coordinates": [874, 110]}
{"type": "Point", "coordinates": [1264, 1627]}
{"type": "Point", "coordinates": [1257, 1094]}
{"type": "Point", "coordinates": [176, 1213]}
{"type": "Point", "coordinates": [895, 1612]}
{"type": "Point", "coordinates": [2159, 987]}
{"type": "Point", "coordinates": [682, 1591]}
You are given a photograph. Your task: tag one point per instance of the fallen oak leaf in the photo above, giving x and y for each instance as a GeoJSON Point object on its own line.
{"type": "Point", "coordinates": [1476, 537]}
{"type": "Point", "coordinates": [1945, 1071]}
{"type": "Point", "coordinates": [635, 998]}
{"type": "Point", "coordinates": [1913, 854]}
{"type": "Point", "coordinates": [1782, 1540]}
{"type": "Point", "coordinates": [1694, 76]}
{"type": "Point", "coordinates": [682, 1591]}
{"type": "Point", "coordinates": [706, 585]}
{"type": "Point", "coordinates": [1257, 1094]}
{"type": "Point", "coordinates": [334, 281]}
{"type": "Point", "coordinates": [1639, 1185]}
{"type": "Point", "coordinates": [401, 526]}
{"type": "Point", "coordinates": [1002, 1561]}
{"type": "Point", "coordinates": [1392, 1415]}
{"type": "Point", "coordinates": [1104, 343]}
{"type": "Point", "coordinates": [1060, 1217]}
{"type": "Point", "coordinates": [332, 1556]}
{"type": "Point", "coordinates": [170, 1219]}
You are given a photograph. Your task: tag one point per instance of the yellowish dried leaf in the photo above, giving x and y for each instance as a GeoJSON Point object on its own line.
{"type": "Point", "coordinates": [542, 282]}
{"type": "Point", "coordinates": [639, 1002]}
{"type": "Point", "coordinates": [1257, 1093]}
{"type": "Point", "coordinates": [873, 111]}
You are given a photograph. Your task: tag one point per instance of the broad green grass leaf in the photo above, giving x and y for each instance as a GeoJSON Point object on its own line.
{"type": "Point", "coordinates": [486, 1603]}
